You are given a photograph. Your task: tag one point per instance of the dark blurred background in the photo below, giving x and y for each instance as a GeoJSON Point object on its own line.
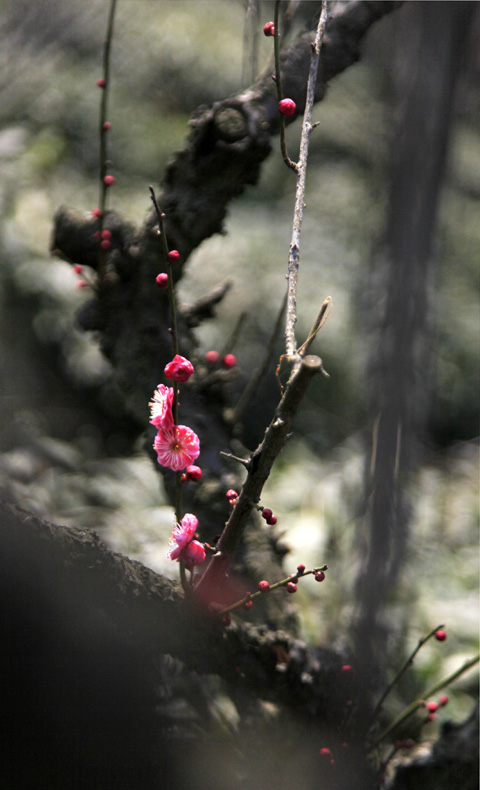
{"type": "Point", "coordinates": [69, 453]}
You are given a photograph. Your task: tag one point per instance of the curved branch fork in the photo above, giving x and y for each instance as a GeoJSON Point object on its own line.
{"type": "Point", "coordinates": [260, 464]}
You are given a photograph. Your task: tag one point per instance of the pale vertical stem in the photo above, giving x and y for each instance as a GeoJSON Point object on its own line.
{"type": "Point", "coordinates": [294, 253]}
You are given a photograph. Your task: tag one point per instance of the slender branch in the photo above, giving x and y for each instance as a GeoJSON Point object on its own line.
{"type": "Point", "coordinates": [232, 339]}
{"type": "Point", "coordinates": [259, 372]}
{"type": "Point", "coordinates": [283, 583]}
{"type": "Point", "coordinates": [294, 255]}
{"type": "Point", "coordinates": [278, 82]}
{"type": "Point", "coordinates": [318, 323]}
{"type": "Point", "coordinates": [103, 110]}
{"type": "Point", "coordinates": [261, 462]}
{"type": "Point", "coordinates": [419, 702]}
{"type": "Point", "coordinates": [408, 663]}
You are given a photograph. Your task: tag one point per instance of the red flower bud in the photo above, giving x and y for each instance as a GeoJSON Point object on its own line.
{"type": "Point", "coordinates": [287, 107]}
{"type": "Point", "coordinates": [78, 269]}
{"type": "Point", "coordinates": [272, 521]}
{"type": "Point", "coordinates": [97, 212]}
{"type": "Point", "coordinates": [248, 605]}
{"type": "Point", "coordinates": [212, 357]}
{"type": "Point", "coordinates": [229, 361]}
{"type": "Point", "coordinates": [106, 126]}
{"type": "Point", "coordinates": [102, 83]}
{"type": "Point", "coordinates": [291, 587]}
{"type": "Point", "coordinates": [193, 473]}
{"type": "Point", "coordinates": [443, 700]}
{"type": "Point", "coordinates": [173, 256]}
{"type": "Point", "coordinates": [109, 181]}
{"type": "Point", "coordinates": [106, 234]}
{"type": "Point", "coordinates": [179, 369]}
{"type": "Point", "coordinates": [300, 568]}
{"type": "Point", "coordinates": [319, 576]}
{"type": "Point", "coordinates": [231, 494]}
{"type": "Point", "coordinates": [266, 513]}
{"type": "Point", "coordinates": [346, 669]}
{"type": "Point", "coordinates": [263, 586]}
{"type": "Point", "coordinates": [440, 635]}
{"type": "Point", "coordinates": [105, 244]}
{"type": "Point", "coordinates": [269, 29]}
{"type": "Point", "coordinates": [432, 706]}
{"type": "Point", "coordinates": [162, 280]}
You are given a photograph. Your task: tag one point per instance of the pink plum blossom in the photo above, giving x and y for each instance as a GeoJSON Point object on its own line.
{"type": "Point", "coordinates": [179, 369]}
{"type": "Point", "coordinates": [194, 554]}
{"type": "Point", "coordinates": [161, 408]}
{"type": "Point", "coordinates": [176, 447]}
{"type": "Point", "coordinates": [182, 535]}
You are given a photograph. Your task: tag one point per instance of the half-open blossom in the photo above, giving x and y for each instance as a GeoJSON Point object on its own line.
{"type": "Point", "coordinates": [179, 369]}
{"type": "Point", "coordinates": [176, 447]}
{"type": "Point", "coordinates": [161, 407]}
{"type": "Point", "coordinates": [182, 535]}
{"type": "Point", "coordinates": [194, 554]}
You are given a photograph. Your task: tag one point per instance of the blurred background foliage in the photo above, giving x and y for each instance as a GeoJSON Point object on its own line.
{"type": "Point", "coordinates": [62, 453]}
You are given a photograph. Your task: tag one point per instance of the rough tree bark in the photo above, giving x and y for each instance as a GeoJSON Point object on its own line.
{"type": "Point", "coordinates": [116, 610]}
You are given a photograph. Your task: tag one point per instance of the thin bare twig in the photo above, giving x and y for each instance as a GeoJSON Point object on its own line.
{"type": "Point", "coordinates": [429, 693]}
{"type": "Point", "coordinates": [259, 372]}
{"type": "Point", "coordinates": [318, 323]}
{"type": "Point", "coordinates": [294, 255]}
{"type": "Point", "coordinates": [260, 464]}
{"type": "Point", "coordinates": [408, 663]}
{"type": "Point", "coordinates": [278, 82]}
{"type": "Point", "coordinates": [103, 109]}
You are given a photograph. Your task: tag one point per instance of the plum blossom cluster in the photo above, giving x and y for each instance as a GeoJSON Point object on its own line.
{"type": "Point", "coordinates": [177, 446]}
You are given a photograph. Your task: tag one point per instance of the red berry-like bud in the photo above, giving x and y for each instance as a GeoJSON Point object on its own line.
{"type": "Point", "coordinates": [162, 280]}
{"type": "Point", "coordinates": [173, 256]}
{"type": "Point", "coordinates": [266, 513]}
{"type": "Point", "coordinates": [300, 568]}
{"type": "Point", "coordinates": [106, 126]}
{"type": "Point", "coordinates": [325, 753]}
{"type": "Point", "coordinates": [78, 269]}
{"type": "Point", "coordinates": [432, 706]}
{"type": "Point", "coordinates": [183, 477]}
{"type": "Point", "coordinates": [291, 587]}
{"type": "Point", "coordinates": [431, 717]}
{"type": "Point", "coordinates": [109, 181]}
{"type": "Point", "coordinates": [272, 521]}
{"type": "Point", "coordinates": [212, 357]}
{"type": "Point", "coordinates": [102, 83]}
{"type": "Point", "coordinates": [319, 576]}
{"type": "Point", "coordinates": [248, 605]}
{"type": "Point", "coordinates": [231, 494]}
{"type": "Point", "coordinates": [229, 361]}
{"type": "Point", "coordinates": [287, 106]}
{"type": "Point", "coordinates": [105, 244]}
{"type": "Point", "coordinates": [193, 473]}
{"type": "Point", "coordinates": [440, 635]}
{"type": "Point", "coordinates": [263, 586]}
{"type": "Point", "coordinates": [106, 234]}
{"type": "Point", "coordinates": [81, 284]}
{"type": "Point", "coordinates": [346, 669]}
{"type": "Point", "coordinates": [443, 700]}
{"type": "Point", "coordinates": [97, 212]}
{"type": "Point", "coordinates": [269, 29]}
